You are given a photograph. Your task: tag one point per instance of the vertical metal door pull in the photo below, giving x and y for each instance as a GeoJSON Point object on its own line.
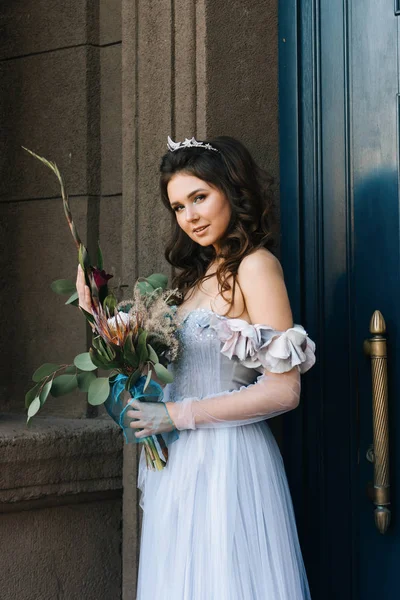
{"type": "Point", "coordinates": [375, 347]}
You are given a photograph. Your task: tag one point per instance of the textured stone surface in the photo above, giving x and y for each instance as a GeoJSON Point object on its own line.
{"type": "Point", "coordinates": [39, 249]}
{"type": "Point", "coordinates": [129, 141]}
{"type": "Point", "coordinates": [54, 109]}
{"type": "Point", "coordinates": [110, 236]}
{"type": "Point", "coordinates": [154, 108]}
{"type": "Point", "coordinates": [110, 21]}
{"type": "Point", "coordinates": [111, 114]}
{"type": "Point", "coordinates": [28, 27]}
{"type": "Point", "coordinates": [242, 93]}
{"type": "Point", "coordinates": [185, 76]}
{"type": "Point", "coordinates": [90, 452]}
{"type": "Point", "coordinates": [59, 96]}
{"type": "Point", "coordinates": [73, 549]}
{"type": "Point", "coordinates": [69, 552]}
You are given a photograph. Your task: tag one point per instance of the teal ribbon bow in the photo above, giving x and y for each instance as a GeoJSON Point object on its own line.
{"type": "Point", "coordinates": [117, 409]}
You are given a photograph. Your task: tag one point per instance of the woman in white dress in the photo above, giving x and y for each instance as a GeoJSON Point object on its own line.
{"type": "Point", "coordinates": [218, 521]}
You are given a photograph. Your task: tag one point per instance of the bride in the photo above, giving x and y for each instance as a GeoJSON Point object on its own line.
{"type": "Point", "coordinates": [218, 521]}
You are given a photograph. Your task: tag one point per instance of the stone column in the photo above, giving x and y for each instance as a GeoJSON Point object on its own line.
{"type": "Point", "coordinates": [61, 478]}
{"type": "Point", "coordinates": [202, 68]}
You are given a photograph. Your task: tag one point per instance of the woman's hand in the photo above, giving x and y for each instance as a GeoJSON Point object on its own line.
{"type": "Point", "coordinates": [83, 291]}
{"type": "Point", "coordinates": [150, 417]}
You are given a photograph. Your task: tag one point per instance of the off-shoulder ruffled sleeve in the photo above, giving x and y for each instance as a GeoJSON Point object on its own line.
{"type": "Point", "coordinates": [262, 347]}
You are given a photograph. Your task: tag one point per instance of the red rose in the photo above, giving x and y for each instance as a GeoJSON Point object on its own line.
{"type": "Point", "coordinates": [100, 277]}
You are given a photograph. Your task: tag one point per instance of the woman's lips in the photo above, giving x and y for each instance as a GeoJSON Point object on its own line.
{"type": "Point", "coordinates": [200, 231]}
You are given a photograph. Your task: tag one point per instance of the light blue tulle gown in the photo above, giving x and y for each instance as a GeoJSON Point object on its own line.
{"type": "Point", "coordinates": [218, 521]}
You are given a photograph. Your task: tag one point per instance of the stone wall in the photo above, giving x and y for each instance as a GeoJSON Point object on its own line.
{"type": "Point", "coordinates": [61, 478]}
{"type": "Point", "coordinates": [60, 509]}
{"type": "Point", "coordinates": [60, 67]}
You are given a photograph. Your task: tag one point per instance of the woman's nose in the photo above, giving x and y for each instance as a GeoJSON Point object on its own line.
{"type": "Point", "coordinates": [190, 214]}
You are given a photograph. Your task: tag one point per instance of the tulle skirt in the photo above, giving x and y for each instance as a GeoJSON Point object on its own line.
{"type": "Point", "coordinates": [218, 521]}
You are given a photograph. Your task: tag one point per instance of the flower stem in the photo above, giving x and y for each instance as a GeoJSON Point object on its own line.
{"type": "Point", "coordinates": [151, 449]}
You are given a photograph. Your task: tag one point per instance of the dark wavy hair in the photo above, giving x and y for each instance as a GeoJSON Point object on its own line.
{"type": "Point", "coordinates": [234, 172]}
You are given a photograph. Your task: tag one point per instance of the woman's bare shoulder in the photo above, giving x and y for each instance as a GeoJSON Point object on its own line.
{"type": "Point", "coordinates": [260, 277]}
{"type": "Point", "coordinates": [261, 260]}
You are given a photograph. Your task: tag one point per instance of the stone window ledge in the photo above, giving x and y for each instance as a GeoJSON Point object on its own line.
{"type": "Point", "coordinates": [58, 457]}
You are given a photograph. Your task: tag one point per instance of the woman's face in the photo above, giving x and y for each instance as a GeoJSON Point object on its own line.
{"type": "Point", "coordinates": [202, 211]}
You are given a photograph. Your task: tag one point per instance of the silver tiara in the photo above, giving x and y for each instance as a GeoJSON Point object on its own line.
{"type": "Point", "coordinates": [193, 143]}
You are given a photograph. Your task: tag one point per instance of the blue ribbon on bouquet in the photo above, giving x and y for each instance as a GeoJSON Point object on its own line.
{"type": "Point", "coordinates": [117, 409]}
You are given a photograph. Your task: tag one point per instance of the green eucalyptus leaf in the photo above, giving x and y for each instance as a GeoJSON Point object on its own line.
{"type": "Point", "coordinates": [111, 365]}
{"type": "Point", "coordinates": [63, 286]}
{"type": "Point", "coordinates": [70, 369]}
{"type": "Point", "coordinates": [149, 374]}
{"type": "Point", "coordinates": [157, 280]}
{"type": "Point", "coordinates": [63, 384]}
{"type": "Point", "coordinates": [110, 302]}
{"type": "Point", "coordinates": [99, 390]}
{"type": "Point", "coordinates": [84, 362]}
{"type": "Point", "coordinates": [129, 352]}
{"type": "Point", "coordinates": [144, 287]}
{"type": "Point", "coordinates": [163, 374]}
{"type": "Point", "coordinates": [44, 371]}
{"type": "Point", "coordinates": [45, 392]}
{"type": "Point", "coordinates": [102, 361]}
{"type": "Point", "coordinates": [132, 379]}
{"type": "Point", "coordinates": [128, 344]}
{"type": "Point", "coordinates": [142, 347]}
{"type": "Point", "coordinates": [97, 359]}
{"type": "Point", "coordinates": [152, 354]}
{"type": "Point", "coordinates": [132, 361]}
{"type": "Point", "coordinates": [74, 299]}
{"type": "Point", "coordinates": [31, 395]}
{"type": "Point", "coordinates": [88, 315]}
{"type": "Point", "coordinates": [111, 354]}
{"type": "Point", "coordinates": [33, 408]}
{"type": "Point", "coordinates": [85, 379]}
{"type": "Point", "coordinates": [99, 257]}
{"type": "Point", "coordinates": [99, 345]}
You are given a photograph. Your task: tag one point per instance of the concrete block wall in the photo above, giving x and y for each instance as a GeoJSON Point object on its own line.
{"type": "Point", "coordinates": [60, 479]}
{"type": "Point", "coordinates": [60, 509]}
{"type": "Point", "coordinates": [60, 68]}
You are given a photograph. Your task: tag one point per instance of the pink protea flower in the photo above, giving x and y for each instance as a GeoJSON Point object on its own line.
{"type": "Point", "coordinates": [113, 329]}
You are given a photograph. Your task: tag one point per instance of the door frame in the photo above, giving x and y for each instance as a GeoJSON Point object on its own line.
{"type": "Point", "coordinates": [322, 473]}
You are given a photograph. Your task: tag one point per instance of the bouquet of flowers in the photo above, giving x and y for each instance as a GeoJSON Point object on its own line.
{"type": "Point", "coordinates": [132, 341]}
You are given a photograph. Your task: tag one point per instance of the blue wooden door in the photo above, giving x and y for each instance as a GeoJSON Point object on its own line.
{"type": "Point", "coordinates": [339, 115]}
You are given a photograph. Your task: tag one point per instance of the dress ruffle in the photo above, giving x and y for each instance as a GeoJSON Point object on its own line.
{"type": "Point", "coordinates": [262, 347]}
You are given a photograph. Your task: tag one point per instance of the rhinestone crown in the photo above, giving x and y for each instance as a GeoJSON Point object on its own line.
{"type": "Point", "coordinates": [193, 143]}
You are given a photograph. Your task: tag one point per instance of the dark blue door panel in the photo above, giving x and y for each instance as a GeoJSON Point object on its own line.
{"type": "Point", "coordinates": [339, 114]}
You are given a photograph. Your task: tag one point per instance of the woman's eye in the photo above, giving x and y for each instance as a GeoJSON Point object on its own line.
{"type": "Point", "coordinates": [196, 199]}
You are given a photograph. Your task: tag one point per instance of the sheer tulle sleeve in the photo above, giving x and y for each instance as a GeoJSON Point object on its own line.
{"type": "Point", "coordinates": [281, 356]}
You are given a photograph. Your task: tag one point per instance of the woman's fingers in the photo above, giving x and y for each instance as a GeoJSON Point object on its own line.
{"type": "Point", "coordinates": [135, 404]}
{"type": "Point", "coordinates": [138, 424]}
{"type": "Point", "coordinates": [83, 290]}
{"type": "Point", "coordinates": [88, 298]}
{"type": "Point", "coordinates": [144, 433]}
{"type": "Point", "coordinates": [134, 414]}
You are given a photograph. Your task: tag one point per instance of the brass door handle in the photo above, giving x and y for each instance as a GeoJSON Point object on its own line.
{"type": "Point", "coordinates": [375, 347]}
